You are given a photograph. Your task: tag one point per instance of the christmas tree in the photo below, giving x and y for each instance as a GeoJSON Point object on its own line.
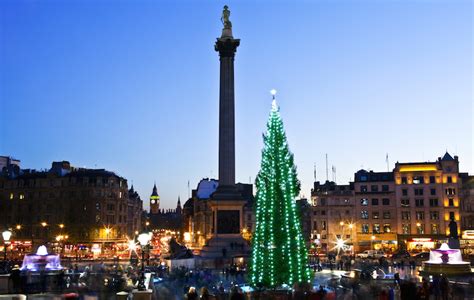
{"type": "Point", "coordinates": [279, 254]}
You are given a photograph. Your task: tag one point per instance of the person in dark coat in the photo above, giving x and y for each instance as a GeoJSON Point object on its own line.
{"type": "Point", "coordinates": [15, 276]}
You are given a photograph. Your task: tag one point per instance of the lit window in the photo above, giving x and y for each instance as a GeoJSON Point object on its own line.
{"type": "Point", "coordinates": [364, 202]}
{"type": "Point", "coordinates": [364, 214]}
{"type": "Point", "coordinates": [406, 228]}
{"type": "Point", "coordinates": [11, 196]}
{"type": "Point", "coordinates": [376, 228]}
{"type": "Point", "coordinates": [386, 228]}
{"type": "Point", "coordinates": [365, 228]}
{"type": "Point", "coordinates": [22, 196]}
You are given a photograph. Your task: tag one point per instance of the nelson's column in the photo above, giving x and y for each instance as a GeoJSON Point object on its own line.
{"type": "Point", "coordinates": [226, 202]}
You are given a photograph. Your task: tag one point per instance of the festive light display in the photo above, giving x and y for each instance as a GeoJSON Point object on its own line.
{"type": "Point", "coordinates": [279, 254]}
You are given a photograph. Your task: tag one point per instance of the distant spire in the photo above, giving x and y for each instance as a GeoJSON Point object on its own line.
{"type": "Point", "coordinates": [155, 190]}
{"type": "Point", "coordinates": [179, 202]}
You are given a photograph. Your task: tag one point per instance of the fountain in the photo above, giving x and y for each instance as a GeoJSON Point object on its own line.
{"type": "Point", "coordinates": [41, 261]}
{"type": "Point", "coordinates": [445, 261]}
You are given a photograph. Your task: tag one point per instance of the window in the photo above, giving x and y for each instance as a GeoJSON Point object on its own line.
{"type": "Point", "coordinates": [451, 201]}
{"type": "Point", "coordinates": [404, 180]}
{"type": "Point", "coordinates": [450, 179]}
{"type": "Point", "coordinates": [450, 191]}
{"type": "Point", "coordinates": [419, 202]}
{"type": "Point", "coordinates": [110, 206]}
{"type": "Point", "coordinates": [387, 228]}
{"type": "Point", "coordinates": [323, 201]}
{"type": "Point", "coordinates": [418, 180]}
{"type": "Point", "coordinates": [420, 215]}
{"type": "Point", "coordinates": [405, 202]}
{"type": "Point", "coordinates": [432, 192]}
{"type": "Point", "coordinates": [386, 201]}
{"type": "Point", "coordinates": [404, 192]}
{"type": "Point", "coordinates": [384, 188]}
{"type": "Point", "coordinates": [365, 228]}
{"type": "Point", "coordinates": [376, 228]}
{"type": "Point", "coordinates": [323, 213]}
{"type": "Point", "coordinates": [315, 225]}
{"type": "Point", "coordinates": [406, 215]}
{"type": "Point", "coordinates": [374, 188]}
{"type": "Point", "coordinates": [375, 215]}
{"type": "Point", "coordinates": [432, 179]}
{"type": "Point", "coordinates": [434, 215]}
{"type": "Point", "coordinates": [364, 202]}
{"type": "Point", "coordinates": [418, 192]}
{"type": "Point", "coordinates": [364, 214]}
{"type": "Point", "coordinates": [11, 196]}
{"type": "Point", "coordinates": [406, 228]}
{"type": "Point", "coordinates": [434, 229]}
{"type": "Point", "coordinates": [386, 215]}
{"type": "Point", "coordinates": [420, 229]}
{"type": "Point", "coordinates": [433, 202]}
{"type": "Point", "coordinates": [375, 201]}
{"type": "Point", "coordinates": [315, 213]}
{"type": "Point", "coordinates": [22, 196]}
{"type": "Point", "coordinates": [451, 215]}
{"type": "Point", "coordinates": [363, 178]}
{"type": "Point", "coordinates": [323, 225]}
{"type": "Point", "coordinates": [363, 188]}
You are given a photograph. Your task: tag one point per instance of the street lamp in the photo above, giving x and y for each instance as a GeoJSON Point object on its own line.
{"type": "Point", "coordinates": [143, 239]}
{"type": "Point", "coordinates": [6, 237]}
{"type": "Point", "coordinates": [372, 238]}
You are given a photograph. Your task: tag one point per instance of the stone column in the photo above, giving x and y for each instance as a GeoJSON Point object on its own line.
{"type": "Point", "coordinates": [226, 46]}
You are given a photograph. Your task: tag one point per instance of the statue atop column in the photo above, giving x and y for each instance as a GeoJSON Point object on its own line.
{"type": "Point", "coordinates": [225, 18]}
{"type": "Point", "coordinates": [227, 30]}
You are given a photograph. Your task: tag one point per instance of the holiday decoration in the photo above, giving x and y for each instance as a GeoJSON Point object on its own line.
{"type": "Point", "coordinates": [279, 254]}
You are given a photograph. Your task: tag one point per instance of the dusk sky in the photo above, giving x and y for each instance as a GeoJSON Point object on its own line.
{"type": "Point", "coordinates": [132, 86]}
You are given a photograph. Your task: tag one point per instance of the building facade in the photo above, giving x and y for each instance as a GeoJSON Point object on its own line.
{"type": "Point", "coordinates": [375, 209]}
{"type": "Point", "coordinates": [409, 207]}
{"type": "Point", "coordinates": [427, 196]}
{"type": "Point", "coordinates": [86, 205]}
{"type": "Point", "coordinates": [332, 216]}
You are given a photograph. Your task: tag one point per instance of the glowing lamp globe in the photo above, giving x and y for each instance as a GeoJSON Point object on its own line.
{"type": "Point", "coordinates": [6, 235]}
{"type": "Point", "coordinates": [144, 238]}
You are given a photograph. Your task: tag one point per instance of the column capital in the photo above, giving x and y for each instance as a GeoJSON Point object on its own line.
{"type": "Point", "coordinates": [226, 46]}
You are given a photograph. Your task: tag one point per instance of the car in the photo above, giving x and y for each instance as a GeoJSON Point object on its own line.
{"type": "Point", "coordinates": [401, 254]}
{"type": "Point", "coordinates": [371, 254]}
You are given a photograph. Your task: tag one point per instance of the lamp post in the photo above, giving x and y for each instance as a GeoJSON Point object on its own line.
{"type": "Point", "coordinates": [6, 237]}
{"type": "Point", "coordinates": [372, 238]}
{"type": "Point", "coordinates": [143, 239]}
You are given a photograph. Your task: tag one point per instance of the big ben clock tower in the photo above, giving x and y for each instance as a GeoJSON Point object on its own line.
{"type": "Point", "coordinates": [154, 201]}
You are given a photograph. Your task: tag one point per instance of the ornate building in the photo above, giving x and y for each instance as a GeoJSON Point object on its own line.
{"type": "Point", "coordinates": [198, 219]}
{"type": "Point", "coordinates": [87, 205]}
{"type": "Point", "coordinates": [170, 219]}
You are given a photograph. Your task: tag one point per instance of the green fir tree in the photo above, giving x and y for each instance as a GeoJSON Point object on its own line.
{"type": "Point", "coordinates": [279, 254]}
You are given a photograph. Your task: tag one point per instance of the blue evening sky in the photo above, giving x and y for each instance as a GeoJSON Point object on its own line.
{"type": "Point", "coordinates": [132, 86]}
